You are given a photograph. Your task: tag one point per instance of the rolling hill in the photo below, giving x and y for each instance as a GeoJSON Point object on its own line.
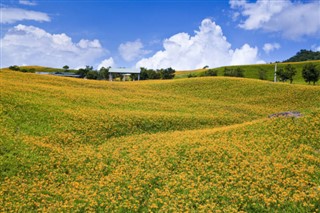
{"type": "Point", "coordinates": [252, 71]}
{"type": "Point", "coordinates": [198, 144]}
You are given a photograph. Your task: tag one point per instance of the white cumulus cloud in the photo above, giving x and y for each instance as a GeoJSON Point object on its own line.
{"type": "Point", "coordinates": [106, 63]}
{"type": "Point", "coordinates": [315, 47]}
{"type": "Point", "coordinates": [132, 50]}
{"type": "Point", "coordinates": [293, 19]}
{"type": "Point", "coordinates": [12, 15]}
{"type": "Point", "coordinates": [34, 46]}
{"type": "Point", "coordinates": [269, 47]}
{"type": "Point", "coordinates": [207, 47]}
{"type": "Point", "coordinates": [245, 55]}
{"type": "Point", "coordinates": [26, 2]}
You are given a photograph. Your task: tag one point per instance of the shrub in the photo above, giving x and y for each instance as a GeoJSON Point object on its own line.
{"type": "Point", "coordinates": [92, 75]}
{"type": "Point", "coordinates": [237, 72]}
{"type": "Point", "coordinates": [262, 74]}
{"type": "Point", "coordinates": [211, 72]}
{"type": "Point", "coordinates": [190, 75]}
{"type": "Point", "coordinates": [15, 68]}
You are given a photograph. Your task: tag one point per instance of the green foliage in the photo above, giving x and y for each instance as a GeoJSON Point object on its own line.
{"type": "Point", "coordinates": [310, 73]}
{"type": "Point", "coordinates": [290, 72]}
{"type": "Point", "coordinates": [304, 55]}
{"type": "Point", "coordinates": [166, 73]}
{"type": "Point", "coordinates": [31, 70]}
{"type": "Point", "coordinates": [15, 68]}
{"type": "Point", "coordinates": [287, 73]}
{"type": "Point", "coordinates": [156, 74]}
{"type": "Point", "coordinates": [210, 72]}
{"type": "Point", "coordinates": [192, 75]}
{"type": "Point", "coordinates": [65, 67]}
{"type": "Point", "coordinates": [233, 72]}
{"type": "Point", "coordinates": [148, 74]}
{"type": "Point", "coordinates": [134, 76]}
{"type": "Point", "coordinates": [262, 74]}
{"type": "Point", "coordinates": [22, 69]}
{"type": "Point", "coordinates": [92, 75]}
{"type": "Point", "coordinates": [103, 73]}
{"type": "Point", "coordinates": [84, 71]}
{"type": "Point", "coordinates": [282, 75]}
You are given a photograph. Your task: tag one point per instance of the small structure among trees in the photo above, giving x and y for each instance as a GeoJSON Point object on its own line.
{"type": "Point", "coordinates": [124, 72]}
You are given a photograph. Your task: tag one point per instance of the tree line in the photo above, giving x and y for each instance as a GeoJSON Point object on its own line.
{"type": "Point", "coordinates": [310, 73]}
{"type": "Point", "coordinates": [103, 73]}
{"type": "Point", "coordinates": [145, 74]}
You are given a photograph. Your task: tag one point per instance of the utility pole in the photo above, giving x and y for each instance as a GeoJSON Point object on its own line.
{"type": "Point", "coordinates": [275, 73]}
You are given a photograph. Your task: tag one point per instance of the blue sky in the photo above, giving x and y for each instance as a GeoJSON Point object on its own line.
{"type": "Point", "coordinates": [156, 34]}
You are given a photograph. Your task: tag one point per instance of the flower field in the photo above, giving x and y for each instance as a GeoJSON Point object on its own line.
{"type": "Point", "coordinates": [188, 145]}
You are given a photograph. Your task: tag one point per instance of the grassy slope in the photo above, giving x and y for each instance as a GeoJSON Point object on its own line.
{"type": "Point", "coordinates": [45, 69]}
{"type": "Point", "coordinates": [72, 144]}
{"type": "Point", "coordinates": [252, 71]}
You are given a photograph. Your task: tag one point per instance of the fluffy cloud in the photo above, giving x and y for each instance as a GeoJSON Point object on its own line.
{"type": "Point", "coordinates": [29, 3]}
{"type": "Point", "coordinates": [34, 46]}
{"type": "Point", "coordinates": [207, 47]}
{"type": "Point", "coordinates": [12, 15]}
{"type": "Point", "coordinates": [106, 63]}
{"type": "Point", "coordinates": [130, 51]}
{"type": "Point", "coordinates": [292, 19]}
{"type": "Point", "coordinates": [315, 47]}
{"type": "Point", "coordinates": [268, 47]}
{"type": "Point", "coordinates": [245, 55]}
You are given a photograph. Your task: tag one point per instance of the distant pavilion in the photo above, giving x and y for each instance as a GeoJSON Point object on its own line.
{"type": "Point", "coordinates": [124, 71]}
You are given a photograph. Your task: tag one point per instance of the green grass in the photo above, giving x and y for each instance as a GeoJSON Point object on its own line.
{"type": "Point", "coordinates": [45, 69]}
{"type": "Point", "coordinates": [252, 71]}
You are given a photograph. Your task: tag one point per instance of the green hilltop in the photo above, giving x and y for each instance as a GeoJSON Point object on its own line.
{"type": "Point", "coordinates": [252, 71]}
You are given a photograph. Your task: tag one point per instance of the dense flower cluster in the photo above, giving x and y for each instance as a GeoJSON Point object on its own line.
{"type": "Point", "coordinates": [181, 146]}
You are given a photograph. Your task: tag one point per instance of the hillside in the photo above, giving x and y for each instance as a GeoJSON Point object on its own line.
{"type": "Point", "coordinates": [304, 55]}
{"type": "Point", "coordinates": [33, 69]}
{"type": "Point", "coordinates": [199, 144]}
{"type": "Point", "coordinates": [252, 71]}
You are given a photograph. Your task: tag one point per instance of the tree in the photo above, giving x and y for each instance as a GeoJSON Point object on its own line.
{"type": "Point", "coordinates": [167, 73]}
{"type": "Point", "coordinates": [83, 72]}
{"type": "Point", "coordinates": [282, 75]}
{"type": "Point", "coordinates": [310, 73]}
{"type": "Point", "coordinates": [304, 55]}
{"type": "Point", "coordinates": [148, 74]}
{"type": "Point", "coordinates": [92, 74]}
{"type": "Point", "coordinates": [290, 72]}
{"type": "Point", "coordinates": [66, 68]}
{"type": "Point", "coordinates": [104, 73]}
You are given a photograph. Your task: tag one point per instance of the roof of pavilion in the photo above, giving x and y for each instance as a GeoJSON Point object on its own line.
{"type": "Point", "coordinates": [124, 70]}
